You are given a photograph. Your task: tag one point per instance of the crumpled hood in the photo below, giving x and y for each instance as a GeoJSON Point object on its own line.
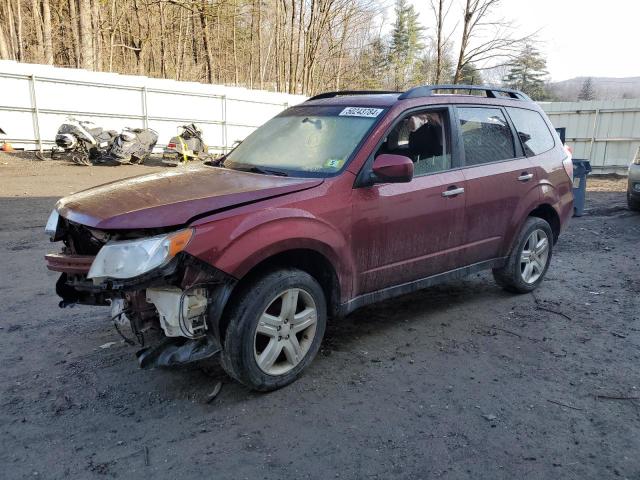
{"type": "Point", "coordinates": [173, 197]}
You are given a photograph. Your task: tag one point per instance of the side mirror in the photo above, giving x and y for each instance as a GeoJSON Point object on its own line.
{"type": "Point", "coordinates": [388, 168]}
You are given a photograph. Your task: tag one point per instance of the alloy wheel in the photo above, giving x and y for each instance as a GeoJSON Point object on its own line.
{"type": "Point", "coordinates": [285, 331]}
{"type": "Point", "coordinates": [534, 256]}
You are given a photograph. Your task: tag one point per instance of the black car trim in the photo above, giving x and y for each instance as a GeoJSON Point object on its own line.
{"type": "Point", "coordinates": [413, 286]}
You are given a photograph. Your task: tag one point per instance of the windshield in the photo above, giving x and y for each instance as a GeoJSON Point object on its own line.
{"type": "Point", "coordinates": [313, 141]}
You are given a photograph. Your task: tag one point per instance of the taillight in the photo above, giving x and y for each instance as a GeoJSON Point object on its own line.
{"type": "Point", "coordinates": [171, 145]}
{"type": "Point", "coordinates": [567, 163]}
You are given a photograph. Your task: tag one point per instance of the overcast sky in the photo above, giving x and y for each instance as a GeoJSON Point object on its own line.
{"type": "Point", "coordinates": [581, 37]}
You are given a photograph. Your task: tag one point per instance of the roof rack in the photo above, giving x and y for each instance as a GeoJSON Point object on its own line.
{"type": "Point", "coordinates": [428, 90]}
{"type": "Point", "coordinates": [350, 92]}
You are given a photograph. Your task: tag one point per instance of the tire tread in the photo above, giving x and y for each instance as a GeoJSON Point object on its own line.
{"type": "Point", "coordinates": [233, 356]}
{"type": "Point", "coordinates": [508, 276]}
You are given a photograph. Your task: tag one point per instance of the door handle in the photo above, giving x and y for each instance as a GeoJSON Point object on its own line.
{"type": "Point", "coordinates": [525, 177]}
{"type": "Point", "coordinates": [453, 191]}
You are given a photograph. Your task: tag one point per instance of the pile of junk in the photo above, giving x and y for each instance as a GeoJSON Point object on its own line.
{"type": "Point", "coordinates": [86, 143]}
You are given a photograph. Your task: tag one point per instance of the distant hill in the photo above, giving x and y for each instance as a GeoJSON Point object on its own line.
{"type": "Point", "coordinates": [604, 88]}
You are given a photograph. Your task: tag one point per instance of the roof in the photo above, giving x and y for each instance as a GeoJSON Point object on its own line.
{"type": "Point", "coordinates": [369, 100]}
{"type": "Point", "coordinates": [387, 99]}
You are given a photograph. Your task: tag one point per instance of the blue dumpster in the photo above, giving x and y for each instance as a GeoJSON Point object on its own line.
{"type": "Point", "coordinates": [581, 168]}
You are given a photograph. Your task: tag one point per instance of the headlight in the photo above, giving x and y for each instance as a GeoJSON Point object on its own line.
{"type": "Point", "coordinates": [52, 224]}
{"type": "Point", "coordinates": [130, 258]}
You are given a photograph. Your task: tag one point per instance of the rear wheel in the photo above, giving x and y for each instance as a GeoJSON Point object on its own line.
{"type": "Point", "coordinates": [135, 160]}
{"type": "Point", "coordinates": [276, 325]}
{"type": "Point", "coordinates": [81, 159]}
{"type": "Point", "coordinates": [529, 260]}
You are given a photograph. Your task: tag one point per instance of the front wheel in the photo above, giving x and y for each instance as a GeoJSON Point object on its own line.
{"type": "Point", "coordinates": [632, 203]}
{"type": "Point", "coordinates": [276, 325]}
{"type": "Point", "coordinates": [529, 260]}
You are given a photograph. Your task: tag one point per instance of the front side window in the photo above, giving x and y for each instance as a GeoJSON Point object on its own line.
{"type": "Point", "coordinates": [306, 140]}
{"type": "Point", "coordinates": [421, 136]}
{"type": "Point", "coordinates": [486, 135]}
{"type": "Point", "coordinates": [532, 130]}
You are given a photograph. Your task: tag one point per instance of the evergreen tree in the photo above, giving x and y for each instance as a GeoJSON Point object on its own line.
{"type": "Point", "coordinates": [426, 68]}
{"type": "Point", "coordinates": [470, 75]}
{"type": "Point", "coordinates": [373, 66]}
{"type": "Point", "coordinates": [528, 72]}
{"type": "Point", "coordinates": [586, 91]}
{"type": "Point", "coordinates": [406, 44]}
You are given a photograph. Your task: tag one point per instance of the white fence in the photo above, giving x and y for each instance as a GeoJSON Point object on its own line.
{"type": "Point", "coordinates": [607, 132]}
{"type": "Point", "coordinates": [36, 99]}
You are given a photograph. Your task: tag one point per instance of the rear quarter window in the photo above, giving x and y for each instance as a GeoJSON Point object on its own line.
{"type": "Point", "coordinates": [533, 131]}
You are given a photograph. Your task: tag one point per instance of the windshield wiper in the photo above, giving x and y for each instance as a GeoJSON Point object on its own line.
{"type": "Point", "coordinates": [267, 171]}
{"type": "Point", "coordinates": [245, 167]}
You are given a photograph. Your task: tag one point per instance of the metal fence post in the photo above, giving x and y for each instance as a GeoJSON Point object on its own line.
{"type": "Point", "coordinates": [224, 124]}
{"type": "Point", "coordinates": [145, 111]}
{"type": "Point", "coordinates": [593, 134]}
{"type": "Point", "coordinates": [35, 111]}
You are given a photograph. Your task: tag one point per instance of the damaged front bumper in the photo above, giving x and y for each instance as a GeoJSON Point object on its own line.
{"type": "Point", "coordinates": [184, 298]}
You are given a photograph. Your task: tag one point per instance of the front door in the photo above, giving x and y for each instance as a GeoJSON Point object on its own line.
{"type": "Point", "coordinates": [407, 231]}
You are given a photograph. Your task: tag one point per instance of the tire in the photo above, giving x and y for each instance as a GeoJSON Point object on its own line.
{"type": "Point", "coordinates": [263, 355]}
{"type": "Point", "coordinates": [135, 160]}
{"type": "Point", "coordinates": [513, 276]}
{"type": "Point", "coordinates": [81, 159]}
{"type": "Point", "coordinates": [633, 204]}
{"type": "Point", "coordinates": [56, 154]}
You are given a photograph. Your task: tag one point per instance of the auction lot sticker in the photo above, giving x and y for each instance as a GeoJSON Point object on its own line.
{"type": "Point", "coordinates": [361, 112]}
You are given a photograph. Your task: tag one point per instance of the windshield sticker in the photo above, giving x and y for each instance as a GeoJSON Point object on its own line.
{"type": "Point", "coordinates": [360, 112]}
{"type": "Point", "coordinates": [334, 163]}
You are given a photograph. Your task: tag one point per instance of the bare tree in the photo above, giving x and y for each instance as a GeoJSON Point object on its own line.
{"type": "Point", "coordinates": [86, 34]}
{"type": "Point", "coordinates": [299, 46]}
{"type": "Point", "coordinates": [4, 43]}
{"type": "Point", "coordinates": [499, 44]}
{"type": "Point", "coordinates": [440, 9]}
{"type": "Point", "coordinates": [47, 32]}
{"type": "Point", "coordinates": [96, 15]}
{"type": "Point", "coordinates": [75, 32]}
{"type": "Point", "coordinates": [204, 24]}
{"type": "Point", "coordinates": [19, 39]}
{"type": "Point", "coordinates": [37, 29]}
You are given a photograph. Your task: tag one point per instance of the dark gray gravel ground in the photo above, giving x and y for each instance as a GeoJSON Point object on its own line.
{"type": "Point", "coordinates": [460, 381]}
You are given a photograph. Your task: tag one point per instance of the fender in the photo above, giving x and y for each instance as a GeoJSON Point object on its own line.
{"type": "Point", "coordinates": [560, 197]}
{"type": "Point", "coordinates": [542, 193]}
{"type": "Point", "coordinates": [258, 236]}
{"type": "Point", "coordinates": [529, 202]}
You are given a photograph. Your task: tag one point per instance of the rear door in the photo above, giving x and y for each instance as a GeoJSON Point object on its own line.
{"type": "Point", "coordinates": [537, 140]}
{"type": "Point", "coordinates": [498, 178]}
{"type": "Point", "coordinates": [407, 231]}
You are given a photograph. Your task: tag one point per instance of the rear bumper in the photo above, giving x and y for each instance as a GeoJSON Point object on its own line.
{"type": "Point", "coordinates": [633, 182]}
{"type": "Point", "coordinates": [564, 208]}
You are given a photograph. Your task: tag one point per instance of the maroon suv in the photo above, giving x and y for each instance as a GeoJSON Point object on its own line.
{"type": "Point", "coordinates": [344, 200]}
